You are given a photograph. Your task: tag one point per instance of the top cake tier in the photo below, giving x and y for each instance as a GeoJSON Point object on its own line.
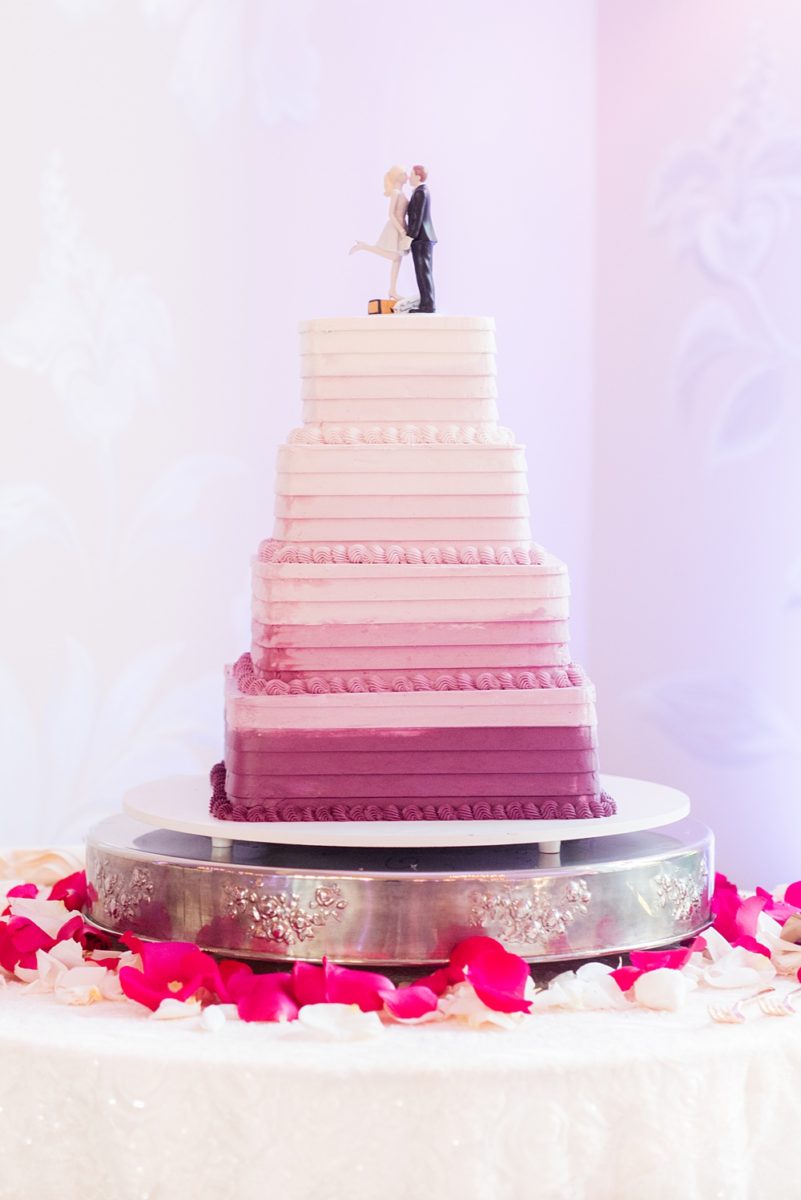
{"type": "Point", "coordinates": [388, 369]}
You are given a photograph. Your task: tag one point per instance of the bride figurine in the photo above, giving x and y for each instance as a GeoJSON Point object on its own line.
{"type": "Point", "coordinates": [393, 241]}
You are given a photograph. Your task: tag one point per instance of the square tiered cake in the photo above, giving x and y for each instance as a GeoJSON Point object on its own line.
{"type": "Point", "coordinates": [409, 656]}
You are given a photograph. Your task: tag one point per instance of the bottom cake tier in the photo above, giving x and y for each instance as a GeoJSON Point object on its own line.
{"type": "Point", "coordinates": [468, 753]}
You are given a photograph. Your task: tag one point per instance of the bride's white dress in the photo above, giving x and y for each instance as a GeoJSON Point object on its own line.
{"type": "Point", "coordinates": [389, 238]}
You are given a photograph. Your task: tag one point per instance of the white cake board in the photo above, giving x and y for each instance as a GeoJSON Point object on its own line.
{"type": "Point", "coordinates": [181, 803]}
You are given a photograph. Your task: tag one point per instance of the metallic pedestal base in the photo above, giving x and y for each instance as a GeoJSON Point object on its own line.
{"type": "Point", "coordinates": [401, 907]}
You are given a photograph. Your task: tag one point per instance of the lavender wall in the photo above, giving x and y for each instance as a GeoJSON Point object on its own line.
{"type": "Point", "coordinates": [696, 541]}
{"type": "Point", "coordinates": [182, 179]}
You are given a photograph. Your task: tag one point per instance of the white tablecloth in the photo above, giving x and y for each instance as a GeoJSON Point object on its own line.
{"type": "Point", "coordinates": [105, 1102]}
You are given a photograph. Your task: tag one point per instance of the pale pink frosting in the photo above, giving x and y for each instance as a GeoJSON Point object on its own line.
{"type": "Point", "coordinates": [272, 550]}
{"type": "Point", "coordinates": [251, 683]}
{"type": "Point", "coordinates": [315, 434]}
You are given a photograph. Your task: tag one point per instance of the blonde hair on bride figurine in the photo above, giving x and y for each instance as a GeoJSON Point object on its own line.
{"type": "Point", "coordinates": [394, 178]}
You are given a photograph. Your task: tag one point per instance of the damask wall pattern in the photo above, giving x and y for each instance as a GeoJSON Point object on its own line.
{"type": "Point", "coordinates": [696, 640]}
{"type": "Point", "coordinates": [182, 180]}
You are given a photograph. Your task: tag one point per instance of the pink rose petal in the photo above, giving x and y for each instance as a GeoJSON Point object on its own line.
{"type": "Point", "coordinates": [170, 970]}
{"type": "Point", "coordinates": [27, 890]}
{"type": "Point", "coordinates": [72, 890]}
{"type": "Point", "coordinates": [410, 1003]}
{"type": "Point", "coordinates": [498, 977]}
{"type": "Point", "coordinates": [265, 997]}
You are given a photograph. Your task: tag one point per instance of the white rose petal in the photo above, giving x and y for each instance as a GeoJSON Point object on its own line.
{"type": "Point", "coordinates": [461, 1003]}
{"type": "Point", "coordinates": [80, 985]}
{"type": "Point", "coordinates": [663, 989]}
{"type": "Point", "coordinates": [177, 1010]}
{"type": "Point", "coordinates": [340, 1022]}
{"type": "Point", "coordinates": [739, 968]}
{"type": "Point", "coordinates": [49, 915]}
{"type": "Point", "coordinates": [50, 965]}
{"type": "Point", "coordinates": [212, 1018]}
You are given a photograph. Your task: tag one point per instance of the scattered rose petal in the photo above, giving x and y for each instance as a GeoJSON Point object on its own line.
{"type": "Point", "coordinates": [591, 987]}
{"type": "Point", "coordinates": [264, 997]}
{"type": "Point", "coordinates": [339, 985]}
{"type": "Point", "coordinates": [72, 890]}
{"type": "Point", "coordinates": [86, 985]}
{"type": "Point", "coordinates": [170, 970]}
{"type": "Point", "coordinates": [462, 1003]}
{"type": "Point", "coordinates": [50, 964]}
{"type": "Point", "coordinates": [665, 989]}
{"type": "Point", "coordinates": [340, 1022]}
{"type": "Point", "coordinates": [498, 977]}
{"type": "Point", "coordinates": [49, 915]}
{"type": "Point", "coordinates": [212, 1018]}
{"type": "Point", "coordinates": [177, 1010]}
{"type": "Point", "coordinates": [413, 1003]}
{"type": "Point", "coordinates": [27, 891]}
{"type": "Point", "coordinates": [738, 968]}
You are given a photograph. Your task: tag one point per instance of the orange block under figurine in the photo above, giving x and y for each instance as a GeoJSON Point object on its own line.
{"type": "Point", "coordinates": [380, 307]}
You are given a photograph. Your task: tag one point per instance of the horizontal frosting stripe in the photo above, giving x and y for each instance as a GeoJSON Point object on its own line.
{"type": "Point", "coordinates": [389, 661]}
{"type": "Point", "coordinates": [397, 363]}
{"type": "Point", "coordinates": [459, 608]}
{"type": "Point", "coordinates": [514, 809]}
{"type": "Point", "coordinates": [411, 529]}
{"type": "Point", "coordinates": [401, 710]}
{"type": "Point", "coordinates": [398, 339]}
{"type": "Point", "coordinates": [568, 677]}
{"type": "Point", "coordinates": [451, 483]}
{"type": "Point", "coordinates": [414, 507]}
{"type": "Point", "coordinates": [422, 633]}
{"type": "Point", "coordinates": [356, 553]}
{"type": "Point", "coordinates": [382, 390]}
{"type": "Point", "coordinates": [390, 761]}
{"type": "Point", "coordinates": [402, 434]}
{"type": "Point", "coordinates": [305, 460]}
{"type": "Point", "coordinates": [407, 786]}
{"type": "Point", "coordinates": [342, 414]}
{"type": "Point", "coordinates": [481, 739]}
{"type": "Point", "coordinates": [393, 321]}
{"type": "Point", "coordinates": [403, 583]}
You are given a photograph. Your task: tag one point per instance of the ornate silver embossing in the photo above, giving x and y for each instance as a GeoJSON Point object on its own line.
{"type": "Point", "coordinates": [519, 914]}
{"type": "Point", "coordinates": [279, 916]}
{"type": "Point", "coordinates": [123, 894]}
{"type": "Point", "coordinates": [682, 895]}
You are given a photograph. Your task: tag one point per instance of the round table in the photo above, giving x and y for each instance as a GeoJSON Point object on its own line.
{"type": "Point", "coordinates": [106, 1102]}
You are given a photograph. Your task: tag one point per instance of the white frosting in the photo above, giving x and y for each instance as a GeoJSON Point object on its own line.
{"type": "Point", "coordinates": [415, 505]}
{"type": "Point", "coordinates": [399, 387]}
{"type": "Point", "coordinates": [397, 338]}
{"type": "Point", "coordinates": [493, 483]}
{"type": "Point", "coordinates": [420, 531]}
{"type": "Point", "coordinates": [399, 322]}
{"type": "Point", "coordinates": [392, 411]}
{"type": "Point", "coordinates": [420, 363]}
{"type": "Point", "coordinates": [395, 459]}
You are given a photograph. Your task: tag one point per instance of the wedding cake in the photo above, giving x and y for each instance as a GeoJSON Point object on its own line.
{"type": "Point", "coordinates": [410, 650]}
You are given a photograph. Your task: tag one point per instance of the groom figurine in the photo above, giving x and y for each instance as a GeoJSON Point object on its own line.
{"type": "Point", "coordinates": [420, 229]}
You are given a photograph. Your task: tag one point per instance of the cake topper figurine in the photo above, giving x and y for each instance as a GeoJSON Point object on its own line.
{"type": "Point", "coordinates": [393, 241]}
{"type": "Point", "coordinates": [420, 229]}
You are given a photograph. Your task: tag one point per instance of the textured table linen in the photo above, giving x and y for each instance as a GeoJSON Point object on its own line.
{"type": "Point", "coordinates": [105, 1102]}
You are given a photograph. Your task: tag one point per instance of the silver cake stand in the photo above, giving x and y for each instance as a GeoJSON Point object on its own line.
{"type": "Point", "coordinates": [401, 893]}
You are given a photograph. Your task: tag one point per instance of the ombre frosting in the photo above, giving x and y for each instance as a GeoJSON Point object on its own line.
{"type": "Point", "coordinates": [410, 649]}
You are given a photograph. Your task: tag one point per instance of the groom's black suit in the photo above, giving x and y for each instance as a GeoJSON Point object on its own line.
{"type": "Point", "coordinates": [420, 229]}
